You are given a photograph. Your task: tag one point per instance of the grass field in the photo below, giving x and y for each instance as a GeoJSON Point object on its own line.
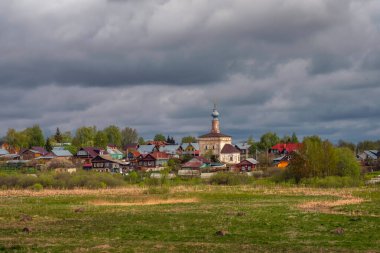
{"type": "Point", "coordinates": [186, 219]}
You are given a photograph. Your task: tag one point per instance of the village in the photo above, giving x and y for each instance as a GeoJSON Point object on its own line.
{"type": "Point", "coordinates": [213, 152]}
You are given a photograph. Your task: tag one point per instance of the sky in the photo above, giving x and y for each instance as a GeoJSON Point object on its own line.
{"type": "Point", "coordinates": [309, 67]}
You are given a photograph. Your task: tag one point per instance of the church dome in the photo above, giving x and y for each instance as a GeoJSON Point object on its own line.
{"type": "Point", "coordinates": [215, 113]}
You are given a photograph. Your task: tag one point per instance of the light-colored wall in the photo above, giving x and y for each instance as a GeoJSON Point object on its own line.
{"type": "Point", "coordinates": [216, 142]}
{"type": "Point", "coordinates": [226, 158]}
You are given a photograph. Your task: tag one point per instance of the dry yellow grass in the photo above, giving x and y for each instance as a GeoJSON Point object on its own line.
{"type": "Point", "coordinates": [145, 202]}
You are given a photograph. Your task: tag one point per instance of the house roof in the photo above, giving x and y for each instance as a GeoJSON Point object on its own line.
{"type": "Point", "coordinates": [93, 152]}
{"type": "Point", "coordinates": [160, 155]}
{"type": "Point", "coordinates": [202, 159]}
{"type": "Point", "coordinates": [3, 152]}
{"type": "Point", "coordinates": [61, 152]}
{"type": "Point", "coordinates": [193, 163]}
{"type": "Point", "coordinates": [40, 150]}
{"type": "Point", "coordinates": [250, 160]}
{"type": "Point", "coordinates": [371, 153]}
{"type": "Point", "coordinates": [145, 149]}
{"type": "Point", "coordinates": [110, 159]}
{"type": "Point", "coordinates": [229, 149]}
{"type": "Point", "coordinates": [213, 135]}
{"type": "Point", "coordinates": [114, 151]}
{"type": "Point", "coordinates": [131, 146]}
{"type": "Point", "coordinates": [194, 144]}
{"type": "Point", "coordinates": [242, 145]}
{"type": "Point", "coordinates": [172, 149]}
{"type": "Point", "coordinates": [289, 147]}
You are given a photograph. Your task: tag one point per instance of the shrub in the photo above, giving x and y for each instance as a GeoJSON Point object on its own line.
{"type": "Point", "coordinates": [332, 182]}
{"type": "Point", "coordinates": [230, 179]}
{"type": "Point", "coordinates": [37, 187]}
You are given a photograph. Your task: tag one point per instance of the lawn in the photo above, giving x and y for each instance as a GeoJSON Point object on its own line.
{"type": "Point", "coordinates": [187, 219]}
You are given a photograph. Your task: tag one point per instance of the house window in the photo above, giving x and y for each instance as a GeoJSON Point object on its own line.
{"type": "Point", "coordinates": [231, 158]}
{"type": "Point", "coordinates": [206, 147]}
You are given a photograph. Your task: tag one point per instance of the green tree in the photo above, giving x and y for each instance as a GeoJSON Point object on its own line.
{"type": "Point", "coordinates": [189, 139]}
{"type": "Point", "coordinates": [66, 137]}
{"type": "Point", "coordinates": [84, 136]}
{"type": "Point", "coordinates": [129, 135]}
{"type": "Point", "coordinates": [347, 164]}
{"type": "Point", "coordinates": [71, 148]}
{"type": "Point", "coordinates": [58, 137]}
{"type": "Point", "coordinates": [113, 135]}
{"type": "Point", "coordinates": [268, 140]}
{"type": "Point", "coordinates": [101, 139]}
{"type": "Point", "coordinates": [294, 138]}
{"type": "Point", "coordinates": [141, 141]}
{"type": "Point", "coordinates": [159, 137]}
{"type": "Point", "coordinates": [35, 136]}
{"type": "Point", "coordinates": [252, 150]}
{"type": "Point", "coordinates": [48, 146]}
{"type": "Point", "coordinates": [346, 144]}
{"type": "Point", "coordinates": [286, 139]}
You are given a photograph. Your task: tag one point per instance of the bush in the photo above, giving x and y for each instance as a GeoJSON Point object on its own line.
{"type": "Point", "coordinates": [37, 187]}
{"type": "Point", "coordinates": [332, 182]}
{"type": "Point", "coordinates": [230, 179]}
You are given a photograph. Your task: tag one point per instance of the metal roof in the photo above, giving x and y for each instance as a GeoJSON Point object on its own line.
{"type": "Point", "coordinates": [145, 149]}
{"type": "Point", "coordinates": [3, 152]}
{"type": "Point", "coordinates": [61, 152]}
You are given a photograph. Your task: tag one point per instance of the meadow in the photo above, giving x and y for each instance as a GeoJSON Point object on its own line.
{"type": "Point", "coordinates": [203, 218]}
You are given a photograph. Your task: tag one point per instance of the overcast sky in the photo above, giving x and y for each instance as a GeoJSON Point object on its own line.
{"type": "Point", "coordinates": [310, 67]}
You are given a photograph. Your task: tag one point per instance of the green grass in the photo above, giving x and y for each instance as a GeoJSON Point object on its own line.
{"type": "Point", "coordinates": [257, 220]}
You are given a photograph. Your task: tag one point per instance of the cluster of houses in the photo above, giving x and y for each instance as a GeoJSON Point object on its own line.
{"type": "Point", "coordinates": [155, 155]}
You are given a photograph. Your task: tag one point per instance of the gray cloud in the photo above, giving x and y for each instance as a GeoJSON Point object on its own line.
{"type": "Point", "coordinates": [304, 66]}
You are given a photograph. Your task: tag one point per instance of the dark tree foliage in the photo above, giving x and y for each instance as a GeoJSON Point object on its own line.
{"type": "Point", "coordinates": [58, 136]}
{"type": "Point", "coordinates": [159, 137]}
{"type": "Point", "coordinates": [48, 146]}
{"type": "Point", "coordinates": [189, 139]}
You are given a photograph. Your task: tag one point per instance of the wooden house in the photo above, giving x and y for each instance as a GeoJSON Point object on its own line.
{"type": "Point", "coordinates": [86, 154]}
{"type": "Point", "coordinates": [105, 163]}
{"type": "Point", "coordinates": [32, 153]}
{"type": "Point", "coordinates": [246, 165]}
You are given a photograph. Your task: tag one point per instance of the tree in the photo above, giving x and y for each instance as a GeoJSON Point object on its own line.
{"type": "Point", "coordinates": [268, 140]}
{"type": "Point", "coordinates": [58, 137]}
{"type": "Point", "coordinates": [84, 136]}
{"type": "Point", "coordinates": [252, 150]}
{"type": "Point", "coordinates": [346, 144]}
{"type": "Point", "coordinates": [347, 164]}
{"type": "Point", "coordinates": [286, 139]}
{"type": "Point", "coordinates": [128, 136]}
{"type": "Point", "coordinates": [66, 137]}
{"type": "Point", "coordinates": [318, 158]}
{"type": "Point", "coordinates": [113, 135]}
{"type": "Point", "coordinates": [189, 139]}
{"type": "Point", "coordinates": [294, 138]}
{"type": "Point", "coordinates": [35, 136]}
{"type": "Point", "coordinates": [170, 140]}
{"type": "Point", "coordinates": [48, 146]}
{"type": "Point", "coordinates": [159, 137]}
{"type": "Point", "coordinates": [141, 141]}
{"type": "Point", "coordinates": [101, 139]}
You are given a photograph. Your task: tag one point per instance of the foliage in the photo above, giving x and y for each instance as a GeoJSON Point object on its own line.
{"type": "Point", "coordinates": [62, 180]}
{"type": "Point", "coordinates": [84, 137]}
{"type": "Point", "coordinates": [113, 135]}
{"type": "Point", "coordinates": [189, 139]}
{"type": "Point", "coordinates": [268, 140]}
{"type": "Point", "coordinates": [71, 148]}
{"type": "Point", "coordinates": [35, 136]}
{"type": "Point", "coordinates": [101, 139]}
{"type": "Point", "coordinates": [37, 187]}
{"type": "Point", "coordinates": [368, 145]}
{"type": "Point", "coordinates": [230, 179]}
{"type": "Point", "coordinates": [129, 135]}
{"type": "Point", "coordinates": [58, 136]}
{"type": "Point", "coordinates": [332, 182]}
{"type": "Point", "coordinates": [48, 146]}
{"type": "Point", "coordinates": [159, 137]}
{"type": "Point", "coordinates": [319, 158]}
{"type": "Point", "coordinates": [141, 141]}
{"type": "Point", "coordinates": [345, 144]}
{"type": "Point", "coordinates": [170, 140]}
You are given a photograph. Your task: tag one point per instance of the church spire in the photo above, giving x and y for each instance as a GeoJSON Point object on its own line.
{"type": "Point", "coordinates": [215, 121]}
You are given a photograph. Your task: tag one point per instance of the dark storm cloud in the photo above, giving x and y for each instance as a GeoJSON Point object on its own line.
{"type": "Point", "coordinates": [159, 65]}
